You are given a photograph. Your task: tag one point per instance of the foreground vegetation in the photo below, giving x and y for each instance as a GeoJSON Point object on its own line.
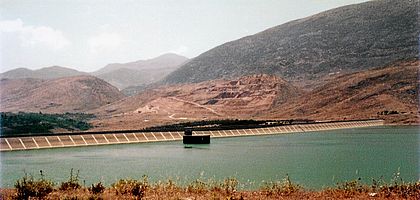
{"type": "Point", "coordinates": [35, 123]}
{"type": "Point", "coordinates": [30, 188]}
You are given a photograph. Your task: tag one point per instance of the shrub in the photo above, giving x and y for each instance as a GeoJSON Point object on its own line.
{"type": "Point", "coordinates": [97, 188]}
{"type": "Point", "coordinates": [197, 186]}
{"type": "Point", "coordinates": [169, 185]}
{"type": "Point", "coordinates": [282, 188]}
{"type": "Point", "coordinates": [29, 187]}
{"type": "Point", "coordinates": [131, 187]}
{"type": "Point", "coordinates": [35, 123]}
{"type": "Point", "coordinates": [72, 183]}
{"type": "Point", "coordinates": [229, 185]}
{"type": "Point", "coordinates": [351, 188]}
{"type": "Point", "coordinates": [400, 188]}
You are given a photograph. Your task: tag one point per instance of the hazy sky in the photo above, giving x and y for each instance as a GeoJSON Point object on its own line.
{"type": "Point", "coordinates": [88, 34]}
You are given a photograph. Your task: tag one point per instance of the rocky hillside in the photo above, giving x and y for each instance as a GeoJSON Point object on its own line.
{"type": "Point", "coordinates": [345, 40]}
{"type": "Point", "coordinates": [69, 94]}
{"type": "Point", "coordinates": [217, 99]}
{"type": "Point", "coordinates": [123, 75]}
{"type": "Point", "coordinates": [43, 73]}
{"type": "Point", "coordinates": [389, 93]}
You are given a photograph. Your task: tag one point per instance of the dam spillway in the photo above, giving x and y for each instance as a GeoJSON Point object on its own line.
{"type": "Point", "coordinates": [92, 139]}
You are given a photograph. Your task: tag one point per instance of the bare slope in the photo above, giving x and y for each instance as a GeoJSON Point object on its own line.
{"type": "Point", "coordinates": [216, 99]}
{"type": "Point", "coordinates": [345, 39]}
{"type": "Point", "coordinates": [366, 94]}
{"type": "Point", "coordinates": [70, 94]}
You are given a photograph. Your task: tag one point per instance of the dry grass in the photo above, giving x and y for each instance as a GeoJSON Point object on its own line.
{"type": "Point", "coordinates": [208, 189]}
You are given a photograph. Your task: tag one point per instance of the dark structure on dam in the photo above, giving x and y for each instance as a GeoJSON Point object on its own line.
{"type": "Point", "coordinates": [189, 138]}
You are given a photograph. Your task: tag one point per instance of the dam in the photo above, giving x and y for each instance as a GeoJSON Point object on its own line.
{"type": "Point", "coordinates": [108, 138]}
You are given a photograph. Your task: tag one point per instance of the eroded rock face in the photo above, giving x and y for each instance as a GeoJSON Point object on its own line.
{"type": "Point", "coordinates": [244, 94]}
{"type": "Point", "coordinates": [216, 99]}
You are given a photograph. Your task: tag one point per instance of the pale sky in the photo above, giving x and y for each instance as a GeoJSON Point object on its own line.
{"type": "Point", "coordinates": [88, 34]}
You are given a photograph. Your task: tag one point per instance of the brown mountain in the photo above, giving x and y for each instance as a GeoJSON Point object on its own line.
{"type": "Point", "coordinates": [141, 72]}
{"type": "Point", "coordinates": [346, 39]}
{"type": "Point", "coordinates": [240, 98]}
{"type": "Point", "coordinates": [69, 94]}
{"type": "Point", "coordinates": [43, 73]}
{"type": "Point", "coordinates": [390, 93]}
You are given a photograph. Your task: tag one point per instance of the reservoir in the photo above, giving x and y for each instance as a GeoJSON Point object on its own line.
{"type": "Point", "coordinates": [314, 160]}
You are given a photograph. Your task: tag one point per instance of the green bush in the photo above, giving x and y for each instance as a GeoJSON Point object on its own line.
{"type": "Point", "coordinates": [219, 124]}
{"type": "Point", "coordinates": [29, 187]}
{"type": "Point", "coordinates": [33, 123]}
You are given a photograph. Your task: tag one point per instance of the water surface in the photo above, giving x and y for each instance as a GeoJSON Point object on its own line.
{"type": "Point", "coordinates": [313, 160]}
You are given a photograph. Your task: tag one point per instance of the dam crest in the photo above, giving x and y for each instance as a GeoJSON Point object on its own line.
{"type": "Point", "coordinates": [107, 138]}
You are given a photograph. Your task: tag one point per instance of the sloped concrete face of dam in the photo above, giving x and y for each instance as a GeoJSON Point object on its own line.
{"type": "Point", "coordinates": [87, 139]}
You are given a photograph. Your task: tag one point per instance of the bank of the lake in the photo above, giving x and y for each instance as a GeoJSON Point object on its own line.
{"type": "Point", "coordinates": [314, 160]}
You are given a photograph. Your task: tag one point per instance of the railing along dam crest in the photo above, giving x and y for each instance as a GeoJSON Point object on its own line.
{"type": "Point", "coordinates": [87, 139]}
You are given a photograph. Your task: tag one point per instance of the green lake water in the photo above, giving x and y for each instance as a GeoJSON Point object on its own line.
{"type": "Point", "coordinates": [314, 160]}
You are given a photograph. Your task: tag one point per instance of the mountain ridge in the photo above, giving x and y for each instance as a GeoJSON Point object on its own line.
{"type": "Point", "coordinates": [121, 75]}
{"type": "Point", "coordinates": [342, 40]}
{"type": "Point", "coordinates": [167, 58]}
{"type": "Point", "coordinates": [140, 72]}
{"type": "Point", "coordinates": [66, 94]}
{"type": "Point", "coordinates": [51, 72]}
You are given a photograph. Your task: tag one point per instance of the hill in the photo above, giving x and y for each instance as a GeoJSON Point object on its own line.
{"type": "Point", "coordinates": [244, 97]}
{"type": "Point", "coordinates": [389, 93]}
{"type": "Point", "coordinates": [168, 60]}
{"type": "Point", "coordinates": [141, 72]}
{"type": "Point", "coordinates": [123, 77]}
{"type": "Point", "coordinates": [69, 94]}
{"type": "Point", "coordinates": [342, 40]}
{"type": "Point", "coordinates": [120, 75]}
{"type": "Point", "coordinates": [43, 73]}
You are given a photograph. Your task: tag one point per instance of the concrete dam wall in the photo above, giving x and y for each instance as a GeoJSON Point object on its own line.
{"type": "Point", "coordinates": [86, 139]}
